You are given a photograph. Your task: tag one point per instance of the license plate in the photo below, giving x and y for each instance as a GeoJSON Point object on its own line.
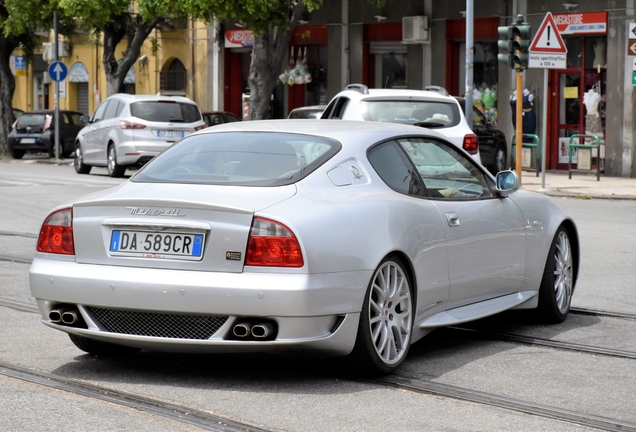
{"type": "Point", "coordinates": [170, 134]}
{"type": "Point", "coordinates": [157, 245]}
{"type": "Point", "coordinates": [27, 140]}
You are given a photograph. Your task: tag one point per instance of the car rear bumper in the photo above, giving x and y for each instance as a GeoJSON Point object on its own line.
{"type": "Point", "coordinates": [138, 152]}
{"type": "Point", "coordinates": [311, 312]}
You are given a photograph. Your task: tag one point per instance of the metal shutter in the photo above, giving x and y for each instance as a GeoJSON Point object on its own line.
{"type": "Point", "coordinates": [82, 98]}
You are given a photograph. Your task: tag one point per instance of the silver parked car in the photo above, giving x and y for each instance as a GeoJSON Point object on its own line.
{"type": "Point", "coordinates": [129, 130]}
{"type": "Point", "coordinates": [342, 237]}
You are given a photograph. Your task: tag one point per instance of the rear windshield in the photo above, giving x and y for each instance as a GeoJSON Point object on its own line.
{"type": "Point", "coordinates": [168, 111]}
{"type": "Point", "coordinates": [32, 120]}
{"type": "Point", "coordinates": [430, 113]}
{"type": "Point", "coordinates": [306, 114]}
{"type": "Point", "coordinates": [239, 159]}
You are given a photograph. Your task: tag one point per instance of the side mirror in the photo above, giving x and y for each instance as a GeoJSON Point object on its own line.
{"type": "Point", "coordinates": [508, 182]}
{"type": "Point", "coordinates": [85, 119]}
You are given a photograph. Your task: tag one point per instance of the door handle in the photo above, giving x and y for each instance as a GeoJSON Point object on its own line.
{"type": "Point", "coordinates": [453, 219]}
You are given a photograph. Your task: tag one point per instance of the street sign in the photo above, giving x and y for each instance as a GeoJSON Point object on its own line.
{"type": "Point", "coordinates": [634, 78]}
{"type": "Point", "coordinates": [58, 71]}
{"type": "Point", "coordinates": [632, 31]}
{"type": "Point", "coordinates": [548, 51]}
{"type": "Point", "coordinates": [631, 47]}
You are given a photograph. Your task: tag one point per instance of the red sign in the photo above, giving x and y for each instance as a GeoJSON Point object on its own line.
{"type": "Point", "coordinates": [548, 39]}
{"type": "Point", "coordinates": [239, 38]}
{"type": "Point", "coordinates": [581, 23]}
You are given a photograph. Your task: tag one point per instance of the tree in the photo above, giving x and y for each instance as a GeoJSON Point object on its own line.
{"type": "Point", "coordinates": [272, 22]}
{"type": "Point", "coordinates": [19, 21]}
{"type": "Point", "coordinates": [116, 20]}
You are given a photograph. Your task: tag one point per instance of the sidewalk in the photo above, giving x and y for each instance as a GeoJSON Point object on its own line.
{"type": "Point", "coordinates": [580, 186]}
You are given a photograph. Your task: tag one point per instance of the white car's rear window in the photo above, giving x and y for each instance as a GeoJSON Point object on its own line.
{"type": "Point", "coordinates": [166, 111]}
{"type": "Point", "coordinates": [239, 158]}
{"type": "Point", "coordinates": [430, 114]}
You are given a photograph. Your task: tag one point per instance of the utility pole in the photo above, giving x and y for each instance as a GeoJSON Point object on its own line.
{"type": "Point", "coordinates": [57, 92]}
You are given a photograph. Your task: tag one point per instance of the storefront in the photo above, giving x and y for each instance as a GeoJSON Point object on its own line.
{"type": "Point", "coordinates": [577, 105]}
{"type": "Point", "coordinates": [385, 57]}
{"type": "Point", "coordinates": [306, 74]}
{"type": "Point", "coordinates": [485, 64]}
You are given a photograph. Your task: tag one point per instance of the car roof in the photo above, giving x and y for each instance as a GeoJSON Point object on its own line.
{"type": "Point", "coordinates": [397, 93]}
{"type": "Point", "coordinates": [158, 97]}
{"type": "Point", "coordinates": [348, 131]}
{"type": "Point", "coordinates": [51, 112]}
{"type": "Point", "coordinates": [310, 107]}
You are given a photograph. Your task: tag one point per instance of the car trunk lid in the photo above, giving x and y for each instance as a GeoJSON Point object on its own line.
{"type": "Point", "coordinates": [173, 226]}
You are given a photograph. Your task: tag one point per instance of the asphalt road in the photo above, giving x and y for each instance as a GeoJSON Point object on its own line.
{"type": "Point", "coordinates": [305, 394]}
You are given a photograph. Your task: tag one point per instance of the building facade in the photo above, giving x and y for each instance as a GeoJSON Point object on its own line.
{"type": "Point", "coordinates": [351, 41]}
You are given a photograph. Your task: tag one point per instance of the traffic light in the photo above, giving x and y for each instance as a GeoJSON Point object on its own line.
{"type": "Point", "coordinates": [518, 41]}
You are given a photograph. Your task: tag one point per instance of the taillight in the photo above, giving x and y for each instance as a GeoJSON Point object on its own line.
{"type": "Point", "coordinates": [272, 244]}
{"type": "Point", "coordinates": [56, 235]}
{"type": "Point", "coordinates": [203, 126]}
{"type": "Point", "coordinates": [47, 123]}
{"type": "Point", "coordinates": [471, 144]}
{"type": "Point", "coordinates": [125, 124]}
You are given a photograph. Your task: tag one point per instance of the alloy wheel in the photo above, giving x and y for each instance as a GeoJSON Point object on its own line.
{"type": "Point", "coordinates": [390, 313]}
{"type": "Point", "coordinates": [563, 272]}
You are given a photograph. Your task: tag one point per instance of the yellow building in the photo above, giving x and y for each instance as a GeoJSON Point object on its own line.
{"type": "Point", "coordinates": [174, 60]}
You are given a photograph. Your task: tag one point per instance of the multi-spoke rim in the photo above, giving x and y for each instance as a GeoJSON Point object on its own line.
{"type": "Point", "coordinates": [390, 313]}
{"type": "Point", "coordinates": [78, 157]}
{"type": "Point", "coordinates": [111, 159]}
{"type": "Point", "coordinates": [563, 272]}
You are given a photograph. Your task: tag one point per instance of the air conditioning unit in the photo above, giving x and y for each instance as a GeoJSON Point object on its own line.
{"type": "Point", "coordinates": [415, 29]}
{"type": "Point", "coordinates": [48, 50]}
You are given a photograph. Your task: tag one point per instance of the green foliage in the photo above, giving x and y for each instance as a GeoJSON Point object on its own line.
{"type": "Point", "coordinates": [260, 16]}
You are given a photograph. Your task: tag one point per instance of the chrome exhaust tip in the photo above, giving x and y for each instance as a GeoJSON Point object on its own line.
{"type": "Point", "coordinates": [262, 330]}
{"type": "Point", "coordinates": [56, 315]}
{"type": "Point", "coordinates": [242, 330]}
{"type": "Point", "coordinates": [69, 317]}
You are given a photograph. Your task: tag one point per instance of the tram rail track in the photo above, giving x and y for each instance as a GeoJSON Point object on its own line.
{"type": "Point", "coordinates": [212, 422]}
{"type": "Point", "coordinates": [179, 413]}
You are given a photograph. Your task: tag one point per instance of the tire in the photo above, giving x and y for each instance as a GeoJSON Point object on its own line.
{"type": "Point", "coordinates": [557, 284]}
{"type": "Point", "coordinates": [101, 348]}
{"type": "Point", "coordinates": [499, 163]}
{"type": "Point", "coordinates": [78, 161]}
{"type": "Point", "coordinates": [16, 154]}
{"type": "Point", "coordinates": [386, 321]}
{"type": "Point", "coordinates": [114, 169]}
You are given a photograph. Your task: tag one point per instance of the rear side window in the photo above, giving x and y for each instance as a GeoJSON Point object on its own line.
{"type": "Point", "coordinates": [240, 159]}
{"type": "Point", "coordinates": [111, 111]}
{"type": "Point", "coordinates": [336, 109]}
{"type": "Point", "coordinates": [166, 111]}
{"type": "Point", "coordinates": [431, 114]}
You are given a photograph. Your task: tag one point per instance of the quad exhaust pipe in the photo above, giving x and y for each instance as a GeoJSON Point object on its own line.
{"type": "Point", "coordinates": [56, 315]}
{"type": "Point", "coordinates": [258, 331]}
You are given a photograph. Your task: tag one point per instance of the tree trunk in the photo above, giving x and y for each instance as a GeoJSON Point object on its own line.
{"type": "Point", "coordinates": [7, 89]}
{"type": "Point", "coordinates": [268, 61]}
{"type": "Point", "coordinates": [136, 32]}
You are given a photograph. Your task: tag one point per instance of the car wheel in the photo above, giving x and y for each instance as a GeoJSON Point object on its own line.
{"type": "Point", "coordinates": [557, 284]}
{"type": "Point", "coordinates": [499, 164]}
{"type": "Point", "coordinates": [386, 321]}
{"type": "Point", "coordinates": [78, 162]}
{"type": "Point", "coordinates": [16, 154]}
{"type": "Point", "coordinates": [96, 347]}
{"type": "Point", "coordinates": [114, 169]}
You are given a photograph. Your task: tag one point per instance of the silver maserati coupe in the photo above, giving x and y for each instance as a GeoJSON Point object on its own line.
{"type": "Point", "coordinates": [329, 237]}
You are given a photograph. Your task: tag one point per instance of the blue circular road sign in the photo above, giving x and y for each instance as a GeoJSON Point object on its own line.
{"type": "Point", "coordinates": [58, 71]}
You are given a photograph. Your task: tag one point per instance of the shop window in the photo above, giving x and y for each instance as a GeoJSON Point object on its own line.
{"type": "Point", "coordinates": [390, 63]}
{"type": "Point", "coordinates": [316, 90]}
{"type": "Point", "coordinates": [575, 51]}
{"type": "Point", "coordinates": [485, 76]}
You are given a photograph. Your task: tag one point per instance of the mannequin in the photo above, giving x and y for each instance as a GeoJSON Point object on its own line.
{"type": "Point", "coordinates": [599, 54]}
{"type": "Point", "coordinates": [591, 100]}
{"type": "Point", "coordinates": [529, 116]}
